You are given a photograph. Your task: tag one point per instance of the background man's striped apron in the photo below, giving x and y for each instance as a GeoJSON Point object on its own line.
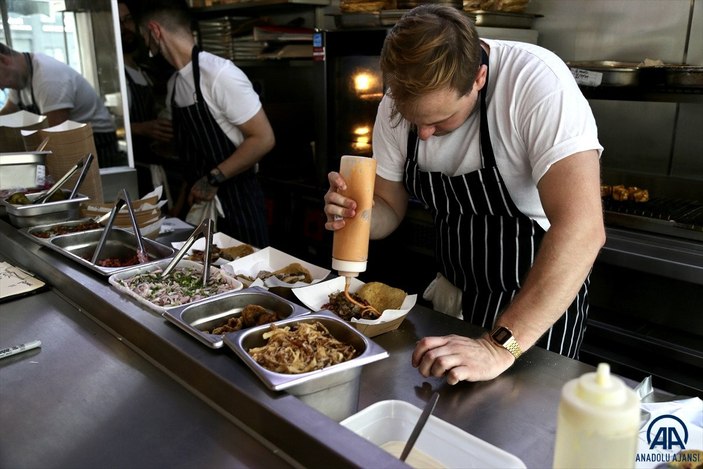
{"type": "Point", "coordinates": [203, 145]}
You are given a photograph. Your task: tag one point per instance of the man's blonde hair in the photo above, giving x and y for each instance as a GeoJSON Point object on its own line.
{"type": "Point", "coordinates": [431, 47]}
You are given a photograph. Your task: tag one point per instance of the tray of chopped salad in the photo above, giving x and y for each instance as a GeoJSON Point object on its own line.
{"type": "Point", "coordinates": [181, 287]}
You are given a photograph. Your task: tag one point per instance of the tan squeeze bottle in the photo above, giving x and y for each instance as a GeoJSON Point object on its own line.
{"type": "Point", "coordinates": [350, 246]}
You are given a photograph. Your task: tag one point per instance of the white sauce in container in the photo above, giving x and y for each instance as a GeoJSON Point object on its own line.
{"type": "Point", "coordinates": [417, 458]}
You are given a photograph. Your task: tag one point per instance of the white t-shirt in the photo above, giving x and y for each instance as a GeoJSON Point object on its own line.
{"type": "Point", "coordinates": [226, 89]}
{"type": "Point", "coordinates": [58, 86]}
{"type": "Point", "coordinates": [536, 113]}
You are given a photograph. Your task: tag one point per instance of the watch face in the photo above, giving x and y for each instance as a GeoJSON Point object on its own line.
{"type": "Point", "coordinates": [502, 335]}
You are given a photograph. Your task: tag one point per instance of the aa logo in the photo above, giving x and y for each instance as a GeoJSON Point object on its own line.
{"type": "Point", "coordinates": [668, 432]}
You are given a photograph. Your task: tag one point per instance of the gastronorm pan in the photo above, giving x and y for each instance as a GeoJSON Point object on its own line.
{"type": "Point", "coordinates": [120, 244]}
{"type": "Point", "coordinates": [43, 233]}
{"type": "Point", "coordinates": [305, 383]}
{"type": "Point", "coordinates": [20, 169]}
{"type": "Point", "coordinates": [229, 283]}
{"type": "Point", "coordinates": [333, 391]}
{"type": "Point", "coordinates": [613, 73]}
{"type": "Point", "coordinates": [683, 76]}
{"type": "Point", "coordinates": [502, 19]}
{"type": "Point", "coordinates": [199, 318]}
{"type": "Point", "coordinates": [22, 216]}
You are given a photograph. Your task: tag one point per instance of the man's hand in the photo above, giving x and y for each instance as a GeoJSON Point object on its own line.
{"type": "Point", "coordinates": [160, 130]}
{"type": "Point", "coordinates": [337, 207]}
{"type": "Point", "coordinates": [201, 191]}
{"type": "Point", "coordinates": [461, 358]}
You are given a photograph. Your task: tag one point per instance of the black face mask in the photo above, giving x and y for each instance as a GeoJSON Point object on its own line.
{"type": "Point", "coordinates": [130, 42]}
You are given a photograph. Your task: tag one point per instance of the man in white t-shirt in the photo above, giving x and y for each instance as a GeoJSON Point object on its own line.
{"type": "Point", "coordinates": [43, 85]}
{"type": "Point", "coordinates": [219, 123]}
{"type": "Point", "coordinates": [497, 141]}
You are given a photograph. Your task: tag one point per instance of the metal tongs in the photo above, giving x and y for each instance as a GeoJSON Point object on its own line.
{"type": "Point", "coordinates": [85, 164]}
{"type": "Point", "coordinates": [122, 200]}
{"type": "Point", "coordinates": [206, 228]}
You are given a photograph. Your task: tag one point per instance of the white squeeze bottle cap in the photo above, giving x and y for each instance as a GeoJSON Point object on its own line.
{"type": "Point", "coordinates": [597, 423]}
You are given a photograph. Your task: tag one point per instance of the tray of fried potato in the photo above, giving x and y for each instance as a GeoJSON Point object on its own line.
{"type": "Point", "coordinates": [392, 303]}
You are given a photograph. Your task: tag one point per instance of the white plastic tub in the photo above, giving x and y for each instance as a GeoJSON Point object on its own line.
{"type": "Point", "coordinates": [450, 446]}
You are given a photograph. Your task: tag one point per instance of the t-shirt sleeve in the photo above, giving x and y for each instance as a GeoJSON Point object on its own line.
{"type": "Point", "coordinates": [235, 95]}
{"type": "Point", "coordinates": [554, 117]}
{"type": "Point", "coordinates": [389, 146]}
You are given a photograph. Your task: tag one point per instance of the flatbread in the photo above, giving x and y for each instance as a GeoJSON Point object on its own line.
{"type": "Point", "coordinates": [235, 252]}
{"type": "Point", "coordinates": [382, 296]}
{"type": "Point", "coordinates": [290, 273]}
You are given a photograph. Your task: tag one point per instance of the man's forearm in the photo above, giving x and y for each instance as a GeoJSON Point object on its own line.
{"type": "Point", "coordinates": [563, 262]}
{"type": "Point", "coordinates": [383, 219]}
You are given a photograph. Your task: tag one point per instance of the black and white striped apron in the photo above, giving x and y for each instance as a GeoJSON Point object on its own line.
{"type": "Point", "coordinates": [142, 108]}
{"type": "Point", "coordinates": [484, 244]}
{"type": "Point", "coordinates": [203, 145]}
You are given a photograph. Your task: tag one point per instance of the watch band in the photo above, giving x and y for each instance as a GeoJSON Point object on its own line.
{"type": "Point", "coordinates": [215, 177]}
{"type": "Point", "coordinates": [504, 337]}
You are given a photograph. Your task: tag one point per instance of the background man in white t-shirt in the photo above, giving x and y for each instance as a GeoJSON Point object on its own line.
{"type": "Point", "coordinates": [219, 123]}
{"type": "Point", "coordinates": [496, 139]}
{"type": "Point", "coordinates": [43, 85]}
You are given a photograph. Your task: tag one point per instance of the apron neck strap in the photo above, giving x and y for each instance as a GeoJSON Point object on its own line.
{"type": "Point", "coordinates": [196, 74]}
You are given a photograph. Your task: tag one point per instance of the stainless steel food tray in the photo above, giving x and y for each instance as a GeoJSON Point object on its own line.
{"type": "Point", "coordinates": [115, 281]}
{"type": "Point", "coordinates": [119, 244]}
{"type": "Point", "coordinates": [23, 216]}
{"type": "Point", "coordinates": [20, 169]}
{"type": "Point", "coordinates": [198, 318]}
{"type": "Point", "coordinates": [30, 231]}
{"type": "Point", "coordinates": [614, 73]}
{"type": "Point", "coordinates": [315, 381]}
{"type": "Point", "coordinates": [502, 19]}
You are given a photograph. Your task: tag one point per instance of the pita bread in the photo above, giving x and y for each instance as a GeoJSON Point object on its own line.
{"type": "Point", "coordinates": [382, 296]}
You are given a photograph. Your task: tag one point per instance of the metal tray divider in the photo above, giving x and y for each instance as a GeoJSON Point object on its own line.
{"type": "Point", "coordinates": [206, 228]}
{"type": "Point", "coordinates": [122, 200]}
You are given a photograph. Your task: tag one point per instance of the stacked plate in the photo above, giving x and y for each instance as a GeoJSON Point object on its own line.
{"type": "Point", "coordinates": [216, 36]}
{"type": "Point", "coordinates": [230, 37]}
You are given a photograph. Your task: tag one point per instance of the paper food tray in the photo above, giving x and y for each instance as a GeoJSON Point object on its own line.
{"type": "Point", "coordinates": [114, 280]}
{"type": "Point", "coordinates": [220, 239]}
{"type": "Point", "coordinates": [449, 445]}
{"type": "Point", "coordinates": [315, 296]}
{"type": "Point", "coordinates": [272, 259]}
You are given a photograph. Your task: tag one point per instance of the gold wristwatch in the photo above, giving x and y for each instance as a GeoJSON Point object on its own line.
{"type": "Point", "coordinates": [504, 337]}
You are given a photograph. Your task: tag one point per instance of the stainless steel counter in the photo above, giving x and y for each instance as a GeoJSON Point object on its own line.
{"type": "Point", "coordinates": [100, 383]}
{"type": "Point", "coordinates": [84, 399]}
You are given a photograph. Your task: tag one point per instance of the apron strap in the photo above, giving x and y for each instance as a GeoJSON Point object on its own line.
{"type": "Point", "coordinates": [196, 74]}
{"type": "Point", "coordinates": [487, 154]}
{"type": "Point", "coordinates": [30, 66]}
